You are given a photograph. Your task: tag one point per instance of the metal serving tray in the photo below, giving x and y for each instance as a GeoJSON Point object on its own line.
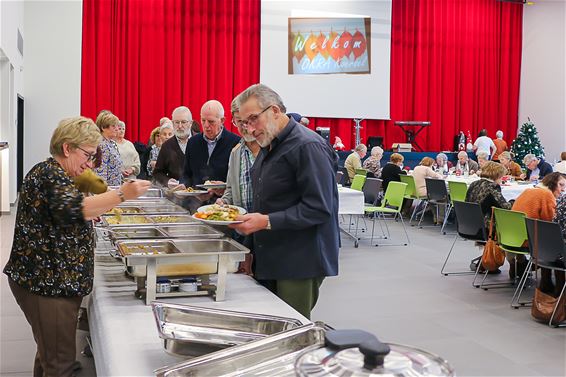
{"type": "Point", "coordinates": [151, 193]}
{"type": "Point", "coordinates": [195, 331]}
{"type": "Point", "coordinates": [143, 219]}
{"type": "Point", "coordinates": [197, 230]}
{"type": "Point", "coordinates": [146, 202]}
{"type": "Point", "coordinates": [271, 356]}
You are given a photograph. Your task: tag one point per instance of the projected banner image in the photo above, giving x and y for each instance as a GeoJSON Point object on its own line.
{"type": "Point", "coordinates": [329, 45]}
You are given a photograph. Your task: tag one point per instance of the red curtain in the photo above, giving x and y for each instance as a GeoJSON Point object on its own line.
{"type": "Point", "coordinates": [455, 63]}
{"type": "Point", "coordinates": [143, 58]}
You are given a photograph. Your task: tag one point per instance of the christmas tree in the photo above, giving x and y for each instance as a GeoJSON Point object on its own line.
{"type": "Point", "coordinates": [527, 141]}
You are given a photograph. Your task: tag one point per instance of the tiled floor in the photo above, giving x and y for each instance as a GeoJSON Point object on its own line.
{"type": "Point", "coordinates": [395, 292]}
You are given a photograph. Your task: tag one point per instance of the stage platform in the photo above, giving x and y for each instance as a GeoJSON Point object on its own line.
{"type": "Point", "coordinates": [412, 159]}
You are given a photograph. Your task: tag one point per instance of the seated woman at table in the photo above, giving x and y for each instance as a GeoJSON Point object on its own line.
{"type": "Point", "coordinates": [538, 203]}
{"type": "Point", "coordinates": [513, 168]}
{"type": "Point", "coordinates": [51, 264]}
{"type": "Point", "coordinates": [373, 163]}
{"type": "Point", "coordinates": [465, 165]}
{"type": "Point", "coordinates": [441, 163]}
{"type": "Point", "coordinates": [423, 171]}
{"type": "Point", "coordinates": [487, 190]}
{"type": "Point", "coordinates": [392, 170]}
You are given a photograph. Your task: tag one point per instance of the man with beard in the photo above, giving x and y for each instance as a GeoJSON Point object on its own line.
{"type": "Point", "coordinates": [207, 153]}
{"type": "Point", "coordinates": [169, 166]}
{"type": "Point", "coordinates": [295, 199]}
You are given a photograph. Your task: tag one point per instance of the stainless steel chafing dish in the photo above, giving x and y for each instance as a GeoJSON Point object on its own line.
{"type": "Point", "coordinates": [197, 230]}
{"type": "Point", "coordinates": [147, 259]}
{"type": "Point", "coordinates": [148, 209]}
{"type": "Point", "coordinates": [145, 202]}
{"type": "Point", "coordinates": [194, 331]}
{"type": "Point", "coordinates": [150, 194]}
{"type": "Point", "coordinates": [143, 219]}
{"type": "Point", "coordinates": [313, 350]}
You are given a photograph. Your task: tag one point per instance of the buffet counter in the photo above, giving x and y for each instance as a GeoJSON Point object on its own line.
{"type": "Point", "coordinates": [124, 335]}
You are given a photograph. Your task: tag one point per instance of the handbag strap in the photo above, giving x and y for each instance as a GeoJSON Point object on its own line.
{"type": "Point", "coordinates": [491, 224]}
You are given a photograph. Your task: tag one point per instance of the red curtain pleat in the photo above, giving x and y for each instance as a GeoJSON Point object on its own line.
{"type": "Point", "coordinates": [455, 63]}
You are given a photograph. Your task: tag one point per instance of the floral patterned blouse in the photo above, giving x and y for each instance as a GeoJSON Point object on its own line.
{"type": "Point", "coordinates": [374, 165]}
{"type": "Point", "coordinates": [560, 215]}
{"type": "Point", "coordinates": [110, 168]}
{"type": "Point", "coordinates": [53, 249]}
{"type": "Point", "coordinates": [153, 153]}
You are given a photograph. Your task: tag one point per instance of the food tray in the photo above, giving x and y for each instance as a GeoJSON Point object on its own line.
{"type": "Point", "coordinates": [196, 230]}
{"type": "Point", "coordinates": [147, 248]}
{"type": "Point", "coordinates": [142, 219]}
{"type": "Point", "coordinates": [194, 331]}
{"type": "Point", "coordinates": [271, 356]}
{"type": "Point", "coordinates": [194, 257]}
{"type": "Point", "coordinates": [150, 194]}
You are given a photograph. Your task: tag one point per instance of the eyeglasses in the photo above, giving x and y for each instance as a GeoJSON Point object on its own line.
{"type": "Point", "coordinates": [183, 122]}
{"type": "Point", "coordinates": [252, 119]}
{"type": "Point", "coordinates": [91, 156]}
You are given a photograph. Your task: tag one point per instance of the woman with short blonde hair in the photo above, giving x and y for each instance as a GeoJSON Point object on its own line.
{"type": "Point", "coordinates": [51, 264]}
{"type": "Point", "coordinates": [513, 168]}
{"type": "Point", "coordinates": [111, 166]}
{"type": "Point", "coordinates": [493, 170]}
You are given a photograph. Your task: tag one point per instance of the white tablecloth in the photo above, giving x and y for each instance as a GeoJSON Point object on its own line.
{"type": "Point", "coordinates": [124, 335]}
{"type": "Point", "coordinates": [350, 202]}
{"type": "Point", "coordinates": [510, 191]}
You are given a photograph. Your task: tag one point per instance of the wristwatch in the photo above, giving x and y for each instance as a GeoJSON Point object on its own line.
{"type": "Point", "coordinates": [268, 227]}
{"type": "Point", "coordinates": [121, 195]}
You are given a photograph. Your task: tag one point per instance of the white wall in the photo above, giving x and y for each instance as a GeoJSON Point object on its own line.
{"type": "Point", "coordinates": [543, 77]}
{"type": "Point", "coordinates": [52, 81]}
{"type": "Point", "coordinates": [11, 83]}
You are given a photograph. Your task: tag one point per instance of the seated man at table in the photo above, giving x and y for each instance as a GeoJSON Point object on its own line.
{"type": "Point", "coordinates": [208, 152]}
{"type": "Point", "coordinates": [465, 165]}
{"type": "Point", "coordinates": [354, 160]}
{"type": "Point", "coordinates": [537, 168]}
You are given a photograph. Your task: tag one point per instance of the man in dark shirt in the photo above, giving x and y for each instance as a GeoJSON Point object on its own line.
{"type": "Point", "coordinates": [208, 152]}
{"type": "Point", "coordinates": [295, 199]}
{"type": "Point", "coordinates": [169, 166]}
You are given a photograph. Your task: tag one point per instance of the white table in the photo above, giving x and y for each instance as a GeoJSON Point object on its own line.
{"type": "Point", "coordinates": [125, 341]}
{"type": "Point", "coordinates": [350, 202]}
{"type": "Point", "coordinates": [510, 191]}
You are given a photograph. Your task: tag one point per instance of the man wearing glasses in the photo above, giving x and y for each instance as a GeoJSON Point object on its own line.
{"type": "Point", "coordinates": [206, 158]}
{"type": "Point", "coordinates": [295, 201]}
{"type": "Point", "coordinates": [170, 161]}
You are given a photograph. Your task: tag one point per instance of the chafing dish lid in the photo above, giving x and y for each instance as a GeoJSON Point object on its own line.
{"type": "Point", "coordinates": [359, 353]}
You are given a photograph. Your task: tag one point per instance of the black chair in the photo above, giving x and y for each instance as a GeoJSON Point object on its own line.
{"type": "Point", "coordinates": [470, 226]}
{"type": "Point", "coordinates": [437, 195]}
{"type": "Point", "coordinates": [549, 251]}
{"type": "Point", "coordinates": [339, 178]}
{"type": "Point", "coordinates": [346, 179]}
{"type": "Point", "coordinates": [371, 190]}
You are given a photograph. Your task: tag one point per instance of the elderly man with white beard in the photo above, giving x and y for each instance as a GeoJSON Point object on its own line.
{"type": "Point", "coordinates": [295, 202]}
{"type": "Point", "coordinates": [170, 161]}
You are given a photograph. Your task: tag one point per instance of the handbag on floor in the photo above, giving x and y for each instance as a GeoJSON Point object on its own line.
{"type": "Point", "coordinates": [544, 304]}
{"type": "Point", "coordinates": [493, 257]}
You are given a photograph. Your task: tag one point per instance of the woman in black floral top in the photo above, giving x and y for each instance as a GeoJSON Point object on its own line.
{"type": "Point", "coordinates": [51, 264]}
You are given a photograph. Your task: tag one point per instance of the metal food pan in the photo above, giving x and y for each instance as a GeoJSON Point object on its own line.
{"type": "Point", "coordinates": [194, 331]}
{"type": "Point", "coordinates": [151, 193]}
{"type": "Point", "coordinates": [197, 230]}
{"type": "Point", "coordinates": [146, 202]}
{"type": "Point", "coordinates": [140, 232]}
{"type": "Point", "coordinates": [271, 356]}
{"type": "Point", "coordinates": [172, 219]}
{"type": "Point", "coordinates": [125, 220]}
{"type": "Point", "coordinates": [169, 208]}
{"type": "Point", "coordinates": [146, 248]}
{"type": "Point", "coordinates": [125, 210]}
{"type": "Point", "coordinates": [195, 257]}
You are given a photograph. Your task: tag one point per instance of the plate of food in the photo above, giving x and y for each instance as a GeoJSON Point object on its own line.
{"type": "Point", "coordinates": [216, 214]}
{"type": "Point", "coordinates": [189, 191]}
{"type": "Point", "coordinates": [212, 185]}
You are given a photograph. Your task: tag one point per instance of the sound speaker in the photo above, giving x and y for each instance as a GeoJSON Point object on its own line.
{"type": "Point", "coordinates": [374, 141]}
{"type": "Point", "coordinates": [324, 132]}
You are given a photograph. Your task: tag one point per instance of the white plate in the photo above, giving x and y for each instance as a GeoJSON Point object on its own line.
{"type": "Point", "coordinates": [189, 193]}
{"type": "Point", "coordinates": [212, 186]}
{"type": "Point", "coordinates": [219, 222]}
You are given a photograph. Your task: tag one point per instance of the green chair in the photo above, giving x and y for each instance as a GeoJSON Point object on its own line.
{"type": "Point", "coordinates": [363, 172]}
{"type": "Point", "coordinates": [411, 192]}
{"type": "Point", "coordinates": [358, 182]}
{"type": "Point", "coordinates": [390, 204]}
{"type": "Point", "coordinates": [458, 191]}
{"type": "Point", "coordinates": [511, 233]}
